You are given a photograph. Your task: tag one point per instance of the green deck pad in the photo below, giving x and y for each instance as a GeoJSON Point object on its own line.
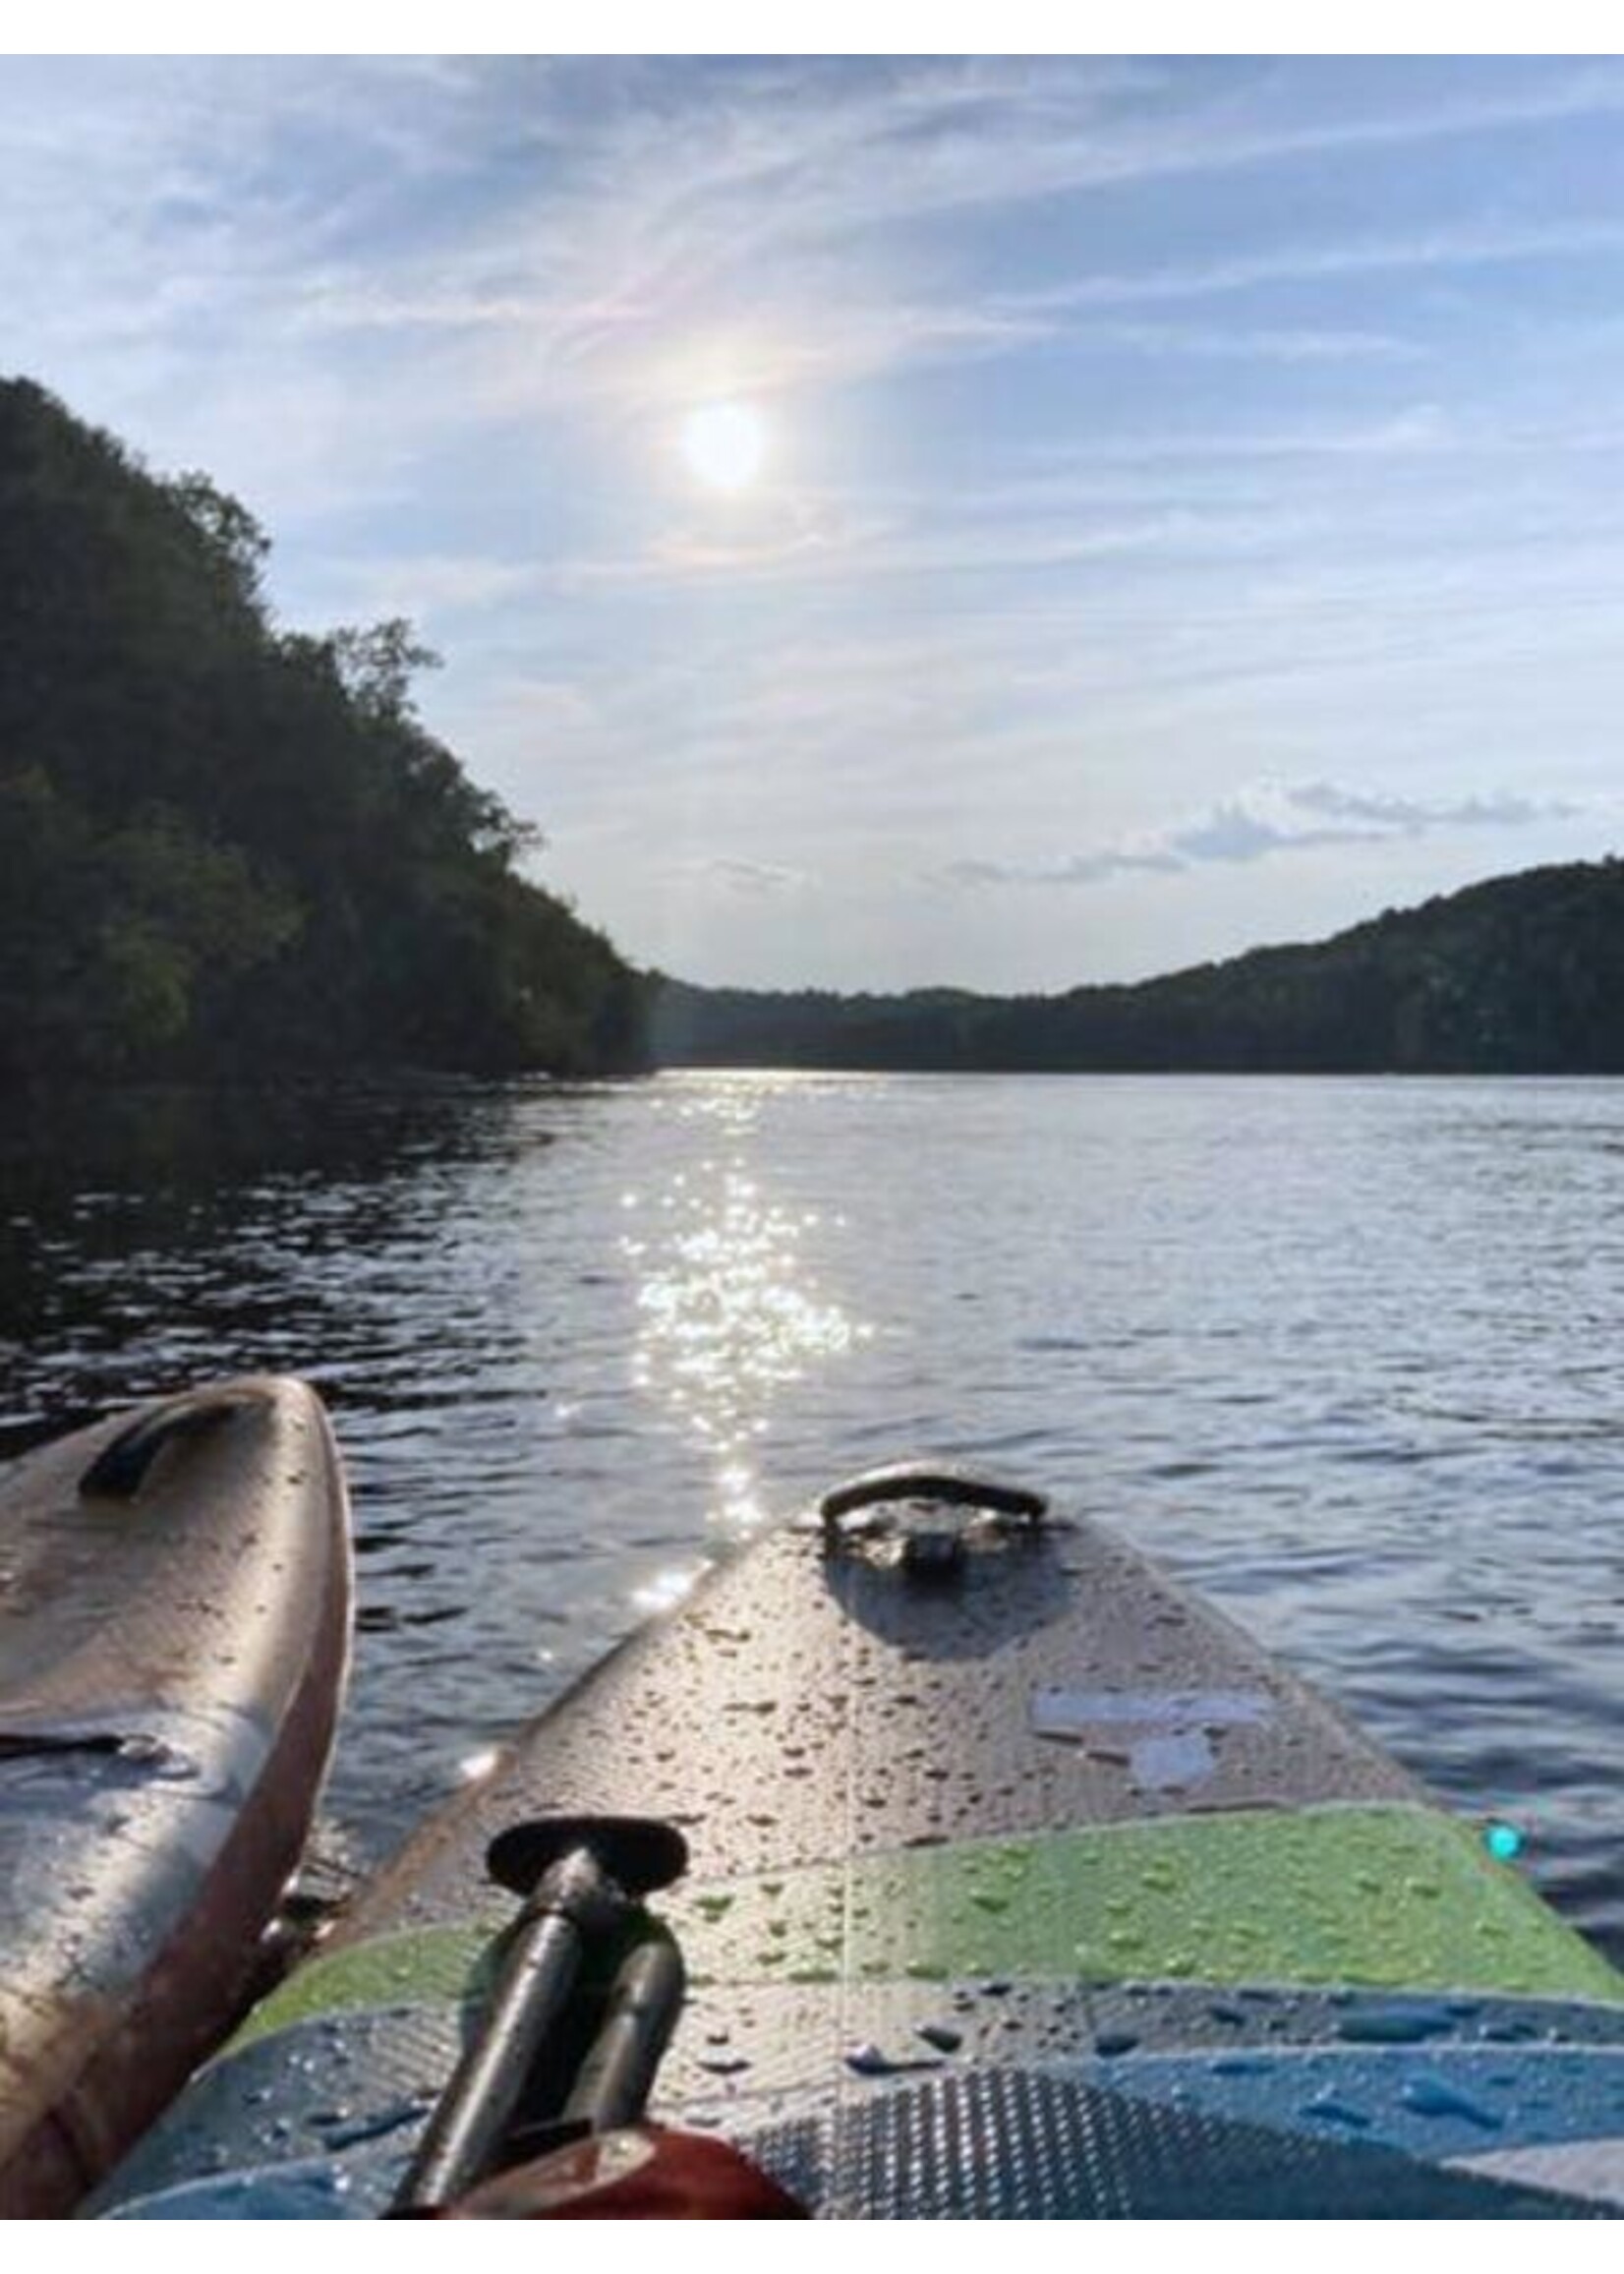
{"type": "Point", "coordinates": [424, 1966]}
{"type": "Point", "coordinates": [1385, 1897]}
{"type": "Point", "coordinates": [419, 1967]}
{"type": "Point", "coordinates": [1389, 1896]}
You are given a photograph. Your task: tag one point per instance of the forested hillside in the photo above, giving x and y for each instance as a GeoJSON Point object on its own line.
{"type": "Point", "coordinates": [1524, 974]}
{"type": "Point", "coordinates": [231, 848]}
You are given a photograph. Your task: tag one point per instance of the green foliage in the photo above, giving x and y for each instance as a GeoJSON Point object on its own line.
{"type": "Point", "coordinates": [1524, 974]}
{"type": "Point", "coordinates": [230, 847]}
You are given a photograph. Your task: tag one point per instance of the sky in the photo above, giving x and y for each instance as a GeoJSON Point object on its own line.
{"type": "Point", "coordinates": [1190, 510]}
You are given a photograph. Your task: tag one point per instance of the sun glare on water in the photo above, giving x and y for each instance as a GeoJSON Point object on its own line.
{"type": "Point", "coordinates": [725, 444]}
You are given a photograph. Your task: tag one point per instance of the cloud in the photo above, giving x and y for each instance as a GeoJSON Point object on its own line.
{"type": "Point", "coordinates": [791, 536]}
{"type": "Point", "coordinates": [759, 879]}
{"type": "Point", "coordinates": [789, 191]}
{"type": "Point", "coordinates": [1269, 818]}
{"type": "Point", "coordinates": [756, 155]}
{"type": "Point", "coordinates": [1400, 816]}
{"type": "Point", "coordinates": [541, 232]}
{"type": "Point", "coordinates": [426, 586]}
{"type": "Point", "coordinates": [1301, 344]}
{"type": "Point", "coordinates": [817, 540]}
{"type": "Point", "coordinates": [338, 262]}
{"type": "Point", "coordinates": [1082, 868]}
{"type": "Point", "coordinates": [1463, 246]}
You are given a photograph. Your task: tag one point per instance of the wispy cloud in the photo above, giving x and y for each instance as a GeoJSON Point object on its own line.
{"type": "Point", "coordinates": [662, 222]}
{"type": "Point", "coordinates": [429, 586]}
{"type": "Point", "coordinates": [818, 542]}
{"type": "Point", "coordinates": [758, 879]}
{"type": "Point", "coordinates": [760, 158]}
{"type": "Point", "coordinates": [1469, 245]}
{"type": "Point", "coordinates": [1270, 818]}
{"type": "Point", "coordinates": [588, 235]}
{"type": "Point", "coordinates": [1285, 344]}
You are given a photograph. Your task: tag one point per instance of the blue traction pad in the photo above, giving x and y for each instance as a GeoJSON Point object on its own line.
{"type": "Point", "coordinates": [1018, 2143]}
{"type": "Point", "coordinates": [319, 2119]}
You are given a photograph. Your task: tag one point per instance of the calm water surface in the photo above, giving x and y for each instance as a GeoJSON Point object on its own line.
{"type": "Point", "coordinates": [1348, 1353]}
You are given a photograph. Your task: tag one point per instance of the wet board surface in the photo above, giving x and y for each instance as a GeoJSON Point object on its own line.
{"type": "Point", "coordinates": [174, 1625]}
{"type": "Point", "coordinates": [996, 1848]}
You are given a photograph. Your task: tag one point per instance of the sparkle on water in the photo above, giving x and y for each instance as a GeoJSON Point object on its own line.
{"type": "Point", "coordinates": [728, 1315]}
{"type": "Point", "coordinates": [666, 1589]}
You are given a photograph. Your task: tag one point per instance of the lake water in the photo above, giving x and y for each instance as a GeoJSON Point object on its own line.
{"type": "Point", "coordinates": [1349, 1355]}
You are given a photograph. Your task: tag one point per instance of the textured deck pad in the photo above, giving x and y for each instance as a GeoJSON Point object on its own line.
{"type": "Point", "coordinates": [1395, 1894]}
{"type": "Point", "coordinates": [991, 2143]}
{"type": "Point", "coordinates": [801, 1709]}
{"type": "Point", "coordinates": [1023, 2145]}
{"type": "Point", "coordinates": [1452, 2102]}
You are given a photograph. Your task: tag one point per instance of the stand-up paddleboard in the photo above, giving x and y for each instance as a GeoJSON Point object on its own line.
{"type": "Point", "coordinates": [1019, 1883]}
{"type": "Point", "coordinates": [174, 1630]}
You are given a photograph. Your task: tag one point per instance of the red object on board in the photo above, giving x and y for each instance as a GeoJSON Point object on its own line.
{"type": "Point", "coordinates": [642, 2172]}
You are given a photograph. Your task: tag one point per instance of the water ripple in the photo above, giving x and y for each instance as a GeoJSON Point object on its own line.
{"type": "Point", "coordinates": [1342, 1351]}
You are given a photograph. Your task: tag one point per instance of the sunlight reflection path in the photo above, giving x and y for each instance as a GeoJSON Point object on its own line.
{"type": "Point", "coordinates": [730, 1317]}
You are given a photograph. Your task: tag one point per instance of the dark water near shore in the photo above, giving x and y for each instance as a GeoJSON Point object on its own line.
{"type": "Point", "coordinates": [1348, 1353]}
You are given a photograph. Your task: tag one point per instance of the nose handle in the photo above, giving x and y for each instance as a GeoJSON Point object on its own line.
{"type": "Point", "coordinates": [928, 1486]}
{"type": "Point", "coordinates": [121, 1468]}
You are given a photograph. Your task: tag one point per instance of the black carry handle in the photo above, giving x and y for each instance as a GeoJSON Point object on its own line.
{"type": "Point", "coordinates": [120, 1469]}
{"type": "Point", "coordinates": [950, 1487]}
{"type": "Point", "coordinates": [581, 1878]}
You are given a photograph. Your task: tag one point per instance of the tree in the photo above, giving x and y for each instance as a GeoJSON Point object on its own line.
{"type": "Point", "coordinates": [230, 847]}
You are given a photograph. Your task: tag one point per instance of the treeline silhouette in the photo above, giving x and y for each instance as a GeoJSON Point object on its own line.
{"type": "Point", "coordinates": [1524, 974]}
{"type": "Point", "coordinates": [231, 848]}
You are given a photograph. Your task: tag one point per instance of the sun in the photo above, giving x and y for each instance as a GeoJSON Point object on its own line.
{"type": "Point", "coordinates": [725, 444]}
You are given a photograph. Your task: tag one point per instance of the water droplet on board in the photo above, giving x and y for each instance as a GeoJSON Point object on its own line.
{"type": "Point", "coordinates": [143, 1749]}
{"type": "Point", "coordinates": [1433, 2096]}
{"type": "Point", "coordinates": [378, 2123]}
{"type": "Point", "coordinates": [1326, 2108]}
{"type": "Point", "coordinates": [1393, 2025]}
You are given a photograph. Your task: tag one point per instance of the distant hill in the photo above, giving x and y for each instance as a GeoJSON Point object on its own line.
{"type": "Point", "coordinates": [1524, 974]}
{"type": "Point", "coordinates": [231, 848]}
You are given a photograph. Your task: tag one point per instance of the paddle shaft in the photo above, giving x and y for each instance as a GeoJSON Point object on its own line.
{"type": "Point", "coordinates": [574, 1900]}
{"type": "Point", "coordinates": [615, 2079]}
